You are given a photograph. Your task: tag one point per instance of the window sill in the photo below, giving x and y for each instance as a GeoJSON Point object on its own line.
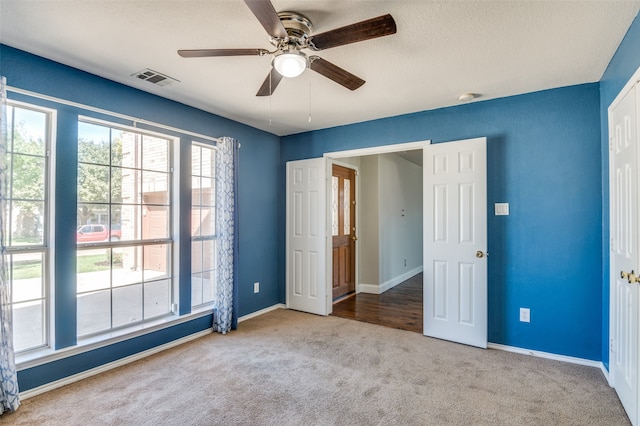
{"type": "Point", "coordinates": [42, 356]}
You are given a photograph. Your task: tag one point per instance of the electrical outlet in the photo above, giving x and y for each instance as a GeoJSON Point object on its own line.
{"type": "Point", "coordinates": [525, 315]}
{"type": "Point", "coordinates": [256, 287]}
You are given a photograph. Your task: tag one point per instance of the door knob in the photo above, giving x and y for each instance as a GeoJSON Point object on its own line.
{"type": "Point", "coordinates": [631, 277]}
{"type": "Point", "coordinates": [479, 254]}
{"type": "Point", "coordinates": [354, 238]}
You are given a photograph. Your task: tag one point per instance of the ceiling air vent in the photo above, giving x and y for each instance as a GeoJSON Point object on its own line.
{"type": "Point", "coordinates": [154, 77]}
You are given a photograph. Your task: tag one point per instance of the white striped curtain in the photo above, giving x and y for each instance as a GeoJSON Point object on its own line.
{"type": "Point", "coordinates": [9, 398]}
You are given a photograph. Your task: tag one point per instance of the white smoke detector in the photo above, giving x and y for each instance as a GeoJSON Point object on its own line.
{"type": "Point", "coordinates": [466, 97]}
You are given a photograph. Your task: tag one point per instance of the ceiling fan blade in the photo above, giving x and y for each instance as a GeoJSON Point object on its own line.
{"type": "Point", "coordinates": [335, 73]}
{"type": "Point", "coordinates": [360, 31]}
{"type": "Point", "coordinates": [203, 53]}
{"type": "Point", "coordinates": [266, 14]}
{"type": "Point", "coordinates": [270, 83]}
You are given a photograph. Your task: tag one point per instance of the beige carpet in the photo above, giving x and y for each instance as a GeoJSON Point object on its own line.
{"type": "Point", "coordinates": [290, 368]}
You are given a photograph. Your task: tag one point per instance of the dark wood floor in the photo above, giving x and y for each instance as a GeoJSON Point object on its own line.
{"type": "Point", "coordinates": [399, 307]}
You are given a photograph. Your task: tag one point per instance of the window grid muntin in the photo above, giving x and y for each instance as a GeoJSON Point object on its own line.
{"type": "Point", "coordinates": [135, 242]}
{"type": "Point", "coordinates": [166, 277]}
{"type": "Point", "coordinates": [41, 248]}
{"type": "Point", "coordinates": [139, 195]}
{"type": "Point", "coordinates": [202, 173]}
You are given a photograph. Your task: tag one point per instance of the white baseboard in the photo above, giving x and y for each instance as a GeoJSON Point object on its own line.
{"type": "Point", "coordinates": [605, 373]}
{"type": "Point", "coordinates": [555, 357]}
{"type": "Point", "coordinates": [262, 311]}
{"type": "Point", "coordinates": [106, 367]}
{"type": "Point", "coordinates": [369, 288]}
{"type": "Point", "coordinates": [381, 288]}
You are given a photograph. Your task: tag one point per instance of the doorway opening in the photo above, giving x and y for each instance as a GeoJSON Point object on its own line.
{"type": "Point", "coordinates": [388, 211]}
{"type": "Point", "coordinates": [452, 228]}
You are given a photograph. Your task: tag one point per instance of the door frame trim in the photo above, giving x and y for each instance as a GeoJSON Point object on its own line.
{"type": "Point", "coordinates": [635, 79]}
{"type": "Point", "coordinates": [384, 149]}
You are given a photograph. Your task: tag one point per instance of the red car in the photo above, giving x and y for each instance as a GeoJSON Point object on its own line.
{"type": "Point", "coordinates": [97, 232]}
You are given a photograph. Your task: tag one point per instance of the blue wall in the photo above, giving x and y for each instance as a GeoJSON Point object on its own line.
{"type": "Point", "coordinates": [622, 66]}
{"type": "Point", "coordinates": [543, 159]}
{"type": "Point", "coordinates": [258, 194]}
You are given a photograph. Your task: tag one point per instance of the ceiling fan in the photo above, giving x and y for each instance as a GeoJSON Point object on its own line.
{"type": "Point", "coordinates": [290, 33]}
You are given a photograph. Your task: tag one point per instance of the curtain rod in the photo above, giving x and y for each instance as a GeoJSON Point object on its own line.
{"type": "Point", "coordinates": [133, 120]}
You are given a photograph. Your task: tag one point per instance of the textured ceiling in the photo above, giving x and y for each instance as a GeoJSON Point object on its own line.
{"type": "Point", "coordinates": [441, 49]}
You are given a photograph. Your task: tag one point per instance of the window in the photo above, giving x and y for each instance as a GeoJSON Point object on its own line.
{"type": "Point", "coordinates": [124, 234]}
{"type": "Point", "coordinates": [26, 228]}
{"type": "Point", "coordinates": [128, 245]}
{"type": "Point", "coordinates": [203, 216]}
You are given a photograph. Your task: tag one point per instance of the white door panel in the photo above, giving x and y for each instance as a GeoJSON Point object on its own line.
{"type": "Point", "coordinates": [455, 241]}
{"type": "Point", "coordinates": [306, 236]}
{"type": "Point", "coordinates": [624, 251]}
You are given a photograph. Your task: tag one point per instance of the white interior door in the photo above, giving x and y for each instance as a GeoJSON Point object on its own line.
{"type": "Point", "coordinates": [306, 252]}
{"type": "Point", "coordinates": [623, 176]}
{"type": "Point", "coordinates": [455, 241]}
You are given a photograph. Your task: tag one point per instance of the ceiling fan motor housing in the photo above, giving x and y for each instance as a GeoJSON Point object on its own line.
{"type": "Point", "coordinates": [298, 27]}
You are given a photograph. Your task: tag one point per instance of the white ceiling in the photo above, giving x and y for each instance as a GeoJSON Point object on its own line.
{"type": "Point", "coordinates": [441, 49]}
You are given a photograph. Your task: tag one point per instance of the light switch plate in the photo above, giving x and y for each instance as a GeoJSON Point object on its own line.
{"type": "Point", "coordinates": [502, 209]}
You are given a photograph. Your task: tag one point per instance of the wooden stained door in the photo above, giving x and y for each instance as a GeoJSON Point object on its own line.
{"type": "Point", "coordinates": [343, 230]}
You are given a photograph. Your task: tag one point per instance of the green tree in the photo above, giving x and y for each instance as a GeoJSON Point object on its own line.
{"type": "Point", "coordinates": [98, 182]}
{"type": "Point", "coordinates": [26, 160]}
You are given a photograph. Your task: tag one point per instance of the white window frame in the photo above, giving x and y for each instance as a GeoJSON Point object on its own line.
{"type": "Point", "coordinates": [172, 241]}
{"type": "Point", "coordinates": [47, 228]}
{"type": "Point", "coordinates": [209, 237]}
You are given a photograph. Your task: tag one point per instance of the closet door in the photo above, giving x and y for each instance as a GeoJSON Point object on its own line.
{"type": "Point", "coordinates": [624, 261]}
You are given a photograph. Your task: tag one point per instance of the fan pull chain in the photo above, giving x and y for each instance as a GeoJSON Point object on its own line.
{"type": "Point", "coordinates": [270, 98]}
{"type": "Point", "coordinates": [309, 97]}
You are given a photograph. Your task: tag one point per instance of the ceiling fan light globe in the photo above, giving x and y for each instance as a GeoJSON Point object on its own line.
{"type": "Point", "coordinates": [290, 64]}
